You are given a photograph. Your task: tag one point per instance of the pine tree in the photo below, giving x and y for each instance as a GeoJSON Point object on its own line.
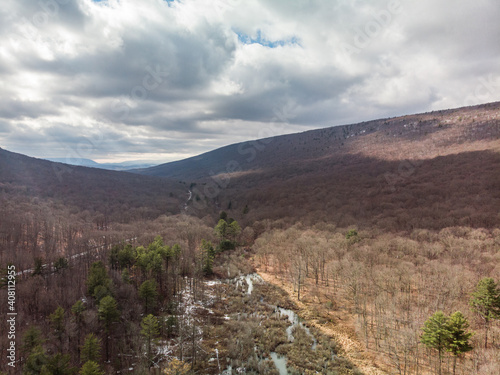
{"type": "Point", "coordinates": [77, 310]}
{"type": "Point", "coordinates": [91, 368]}
{"type": "Point", "coordinates": [234, 231]}
{"type": "Point", "coordinates": [60, 264]}
{"type": "Point", "coordinates": [436, 334]}
{"type": "Point", "coordinates": [31, 339]}
{"type": "Point", "coordinates": [36, 361]}
{"type": "Point", "coordinates": [97, 277]}
{"type": "Point", "coordinates": [91, 349]}
{"type": "Point", "coordinates": [150, 330]}
{"type": "Point", "coordinates": [60, 364]}
{"type": "Point", "coordinates": [57, 323]}
{"type": "Point", "coordinates": [485, 301]}
{"type": "Point", "coordinates": [208, 255]}
{"type": "Point", "coordinates": [459, 337]}
{"type": "Point", "coordinates": [221, 230]}
{"type": "Point", "coordinates": [38, 267]}
{"type": "Point", "coordinates": [149, 294]}
{"type": "Point", "coordinates": [108, 314]}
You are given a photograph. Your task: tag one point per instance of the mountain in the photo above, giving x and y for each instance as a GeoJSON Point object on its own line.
{"type": "Point", "coordinates": [428, 170]}
{"type": "Point", "coordinates": [419, 136]}
{"type": "Point", "coordinates": [121, 196]}
{"type": "Point", "coordinates": [122, 166]}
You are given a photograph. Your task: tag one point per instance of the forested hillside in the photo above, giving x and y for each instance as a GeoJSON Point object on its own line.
{"type": "Point", "coordinates": [431, 170]}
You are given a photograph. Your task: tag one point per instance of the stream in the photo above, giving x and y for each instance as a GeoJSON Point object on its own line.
{"type": "Point", "coordinates": [190, 196]}
{"type": "Point", "coordinates": [279, 360]}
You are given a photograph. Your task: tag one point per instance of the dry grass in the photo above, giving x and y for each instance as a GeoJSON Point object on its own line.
{"type": "Point", "coordinates": [339, 326]}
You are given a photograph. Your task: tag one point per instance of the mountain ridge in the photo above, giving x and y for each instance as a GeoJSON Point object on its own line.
{"type": "Point", "coordinates": [471, 123]}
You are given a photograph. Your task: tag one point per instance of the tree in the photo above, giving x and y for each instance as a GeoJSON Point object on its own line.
{"type": "Point", "coordinates": [150, 330]}
{"type": "Point", "coordinates": [126, 257]}
{"type": "Point", "coordinates": [60, 364]}
{"type": "Point", "coordinates": [108, 314]}
{"type": "Point", "coordinates": [459, 337]}
{"type": "Point", "coordinates": [177, 367]}
{"type": "Point", "coordinates": [60, 264]}
{"type": "Point", "coordinates": [227, 232]}
{"type": "Point", "coordinates": [38, 268]}
{"type": "Point", "coordinates": [149, 294]}
{"type": "Point", "coordinates": [57, 323]}
{"type": "Point", "coordinates": [126, 276]}
{"type": "Point", "coordinates": [223, 215]}
{"type": "Point", "coordinates": [77, 310]}
{"type": "Point", "coordinates": [234, 231]}
{"type": "Point", "coordinates": [352, 236]}
{"type": "Point", "coordinates": [485, 301]}
{"type": "Point", "coordinates": [31, 339]}
{"type": "Point", "coordinates": [436, 334]}
{"type": "Point", "coordinates": [208, 255]}
{"type": "Point", "coordinates": [100, 291]}
{"type": "Point", "coordinates": [91, 368]}
{"type": "Point", "coordinates": [91, 349]}
{"type": "Point", "coordinates": [36, 362]}
{"type": "Point", "coordinates": [97, 277]}
{"type": "Point", "coordinates": [221, 229]}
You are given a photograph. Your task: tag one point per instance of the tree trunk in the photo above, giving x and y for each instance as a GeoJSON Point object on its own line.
{"type": "Point", "coordinates": [107, 346]}
{"type": "Point", "coordinates": [439, 368]}
{"type": "Point", "coordinates": [486, 324]}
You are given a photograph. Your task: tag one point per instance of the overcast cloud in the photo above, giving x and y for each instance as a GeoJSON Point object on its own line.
{"type": "Point", "coordinates": [163, 80]}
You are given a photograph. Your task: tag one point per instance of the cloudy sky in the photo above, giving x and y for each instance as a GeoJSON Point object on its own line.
{"type": "Point", "coordinates": [118, 80]}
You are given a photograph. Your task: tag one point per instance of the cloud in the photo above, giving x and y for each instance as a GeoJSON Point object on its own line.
{"type": "Point", "coordinates": [158, 79]}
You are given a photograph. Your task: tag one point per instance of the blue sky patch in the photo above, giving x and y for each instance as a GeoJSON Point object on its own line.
{"type": "Point", "coordinates": [260, 39]}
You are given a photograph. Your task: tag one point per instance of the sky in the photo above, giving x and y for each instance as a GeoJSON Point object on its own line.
{"type": "Point", "coordinates": [117, 80]}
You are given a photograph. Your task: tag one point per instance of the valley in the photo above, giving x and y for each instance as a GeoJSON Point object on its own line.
{"type": "Point", "coordinates": [321, 252]}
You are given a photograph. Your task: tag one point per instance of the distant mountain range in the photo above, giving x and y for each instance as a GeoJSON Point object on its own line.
{"type": "Point", "coordinates": [123, 166]}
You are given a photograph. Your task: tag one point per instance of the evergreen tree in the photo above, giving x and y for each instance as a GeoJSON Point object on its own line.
{"type": "Point", "coordinates": [221, 230]}
{"type": "Point", "coordinates": [208, 255]}
{"type": "Point", "coordinates": [36, 361]}
{"type": "Point", "coordinates": [150, 330]}
{"type": "Point", "coordinates": [149, 294]}
{"type": "Point", "coordinates": [91, 349]}
{"type": "Point", "coordinates": [57, 322]}
{"type": "Point", "coordinates": [38, 268]}
{"type": "Point", "coordinates": [32, 338]}
{"type": "Point", "coordinates": [60, 264]}
{"type": "Point", "coordinates": [436, 334]}
{"type": "Point", "coordinates": [60, 364]}
{"type": "Point", "coordinates": [126, 276]}
{"type": "Point", "coordinates": [97, 277]}
{"type": "Point", "coordinates": [100, 291]}
{"type": "Point", "coordinates": [223, 215]}
{"type": "Point", "coordinates": [77, 310]}
{"type": "Point", "coordinates": [91, 368]}
{"type": "Point", "coordinates": [234, 231]}
{"type": "Point", "coordinates": [485, 301]}
{"type": "Point", "coordinates": [108, 314]}
{"type": "Point", "coordinates": [126, 257]}
{"type": "Point", "coordinates": [459, 337]}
